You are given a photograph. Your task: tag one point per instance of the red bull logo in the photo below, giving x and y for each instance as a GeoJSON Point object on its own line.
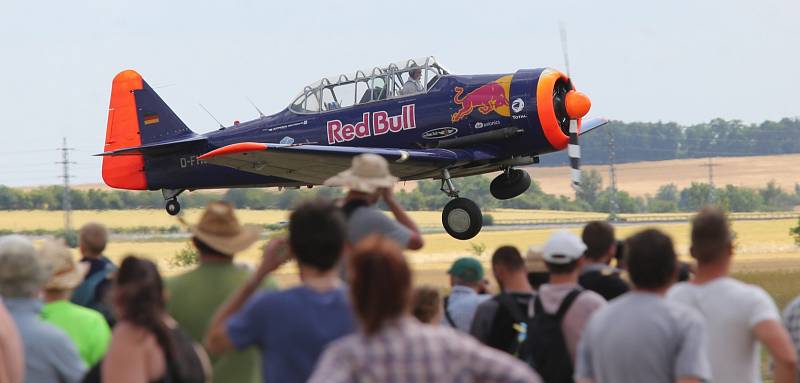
{"type": "Point", "coordinates": [487, 98]}
{"type": "Point", "coordinates": [380, 123]}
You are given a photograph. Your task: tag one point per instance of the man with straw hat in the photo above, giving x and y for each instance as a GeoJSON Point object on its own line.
{"type": "Point", "coordinates": [368, 180]}
{"type": "Point", "coordinates": [195, 295]}
{"type": "Point", "coordinates": [86, 327]}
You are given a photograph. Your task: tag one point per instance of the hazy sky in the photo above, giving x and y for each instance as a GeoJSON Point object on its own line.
{"type": "Point", "coordinates": [685, 61]}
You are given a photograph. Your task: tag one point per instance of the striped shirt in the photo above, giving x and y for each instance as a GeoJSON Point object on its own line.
{"type": "Point", "coordinates": [409, 351]}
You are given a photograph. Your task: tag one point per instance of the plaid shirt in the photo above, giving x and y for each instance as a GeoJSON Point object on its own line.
{"type": "Point", "coordinates": [409, 351]}
{"type": "Point", "coordinates": [791, 319]}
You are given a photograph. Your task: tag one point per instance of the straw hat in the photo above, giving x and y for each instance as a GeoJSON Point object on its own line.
{"type": "Point", "coordinates": [66, 273]}
{"type": "Point", "coordinates": [368, 173]}
{"type": "Point", "coordinates": [534, 261]}
{"type": "Point", "coordinates": [219, 229]}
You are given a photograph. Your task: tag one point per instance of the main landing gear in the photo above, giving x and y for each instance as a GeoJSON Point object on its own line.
{"type": "Point", "coordinates": [172, 206]}
{"type": "Point", "coordinates": [461, 217]}
{"type": "Point", "coordinates": [510, 183]}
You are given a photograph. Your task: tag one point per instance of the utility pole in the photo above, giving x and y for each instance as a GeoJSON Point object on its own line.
{"type": "Point", "coordinates": [612, 172]}
{"type": "Point", "coordinates": [710, 164]}
{"type": "Point", "coordinates": [66, 203]}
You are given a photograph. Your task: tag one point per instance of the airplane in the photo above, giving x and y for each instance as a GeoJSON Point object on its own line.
{"type": "Point", "coordinates": [434, 125]}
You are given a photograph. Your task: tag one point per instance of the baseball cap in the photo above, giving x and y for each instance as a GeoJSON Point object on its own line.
{"type": "Point", "coordinates": [563, 247]}
{"type": "Point", "coordinates": [467, 268]}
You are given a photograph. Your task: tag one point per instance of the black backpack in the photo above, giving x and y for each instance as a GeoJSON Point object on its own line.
{"type": "Point", "coordinates": [545, 348]}
{"type": "Point", "coordinates": [510, 323]}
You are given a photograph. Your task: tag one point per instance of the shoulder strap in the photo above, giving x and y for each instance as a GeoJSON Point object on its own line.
{"type": "Point", "coordinates": [447, 312]}
{"type": "Point", "coordinates": [567, 302]}
{"type": "Point", "coordinates": [84, 294]}
{"type": "Point", "coordinates": [508, 302]}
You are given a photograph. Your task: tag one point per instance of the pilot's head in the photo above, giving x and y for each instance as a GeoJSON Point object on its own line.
{"type": "Point", "coordinates": [415, 74]}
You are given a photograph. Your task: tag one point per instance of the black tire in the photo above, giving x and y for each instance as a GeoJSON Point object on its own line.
{"type": "Point", "coordinates": [173, 207]}
{"type": "Point", "coordinates": [511, 184]}
{"type": "Point", "coordinates": [462, 218]}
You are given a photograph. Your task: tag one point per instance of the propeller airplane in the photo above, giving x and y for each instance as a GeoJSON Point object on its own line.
{"type": "Point", "coordinates": [426, 122]}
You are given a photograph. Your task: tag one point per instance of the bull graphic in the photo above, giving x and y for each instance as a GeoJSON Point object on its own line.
{"type": "Point", "coordinates": [489, 97]}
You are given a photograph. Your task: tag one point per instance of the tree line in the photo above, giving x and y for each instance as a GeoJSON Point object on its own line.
{"type": "Point", "coordinates": [427, 196]}
{"type": "Point", "coordinates": [654, 141]}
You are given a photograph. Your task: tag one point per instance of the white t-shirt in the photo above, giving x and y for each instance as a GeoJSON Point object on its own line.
{"type": "Point", "coordinates": [731, 309]}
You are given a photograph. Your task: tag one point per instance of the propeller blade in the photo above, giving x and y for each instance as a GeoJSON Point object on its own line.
{"type": "Point", "coordinates": [574, 152]}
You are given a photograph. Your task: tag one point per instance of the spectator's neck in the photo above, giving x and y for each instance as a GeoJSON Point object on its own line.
{"type": "Point", "coordinates": [562, 279]}
{"type": "Point", "coordinates": [661, 291]}
{"type": "Point", "coordinates": [215, 259]}
{"type": "Point", "coordinates": [56, 295]}
{"type": "Point", "coordinates": [319, 280]}
{"type": "Point", "coordinates": [711, 271]}
{"type": "Point", "coordinates": [517, 282]}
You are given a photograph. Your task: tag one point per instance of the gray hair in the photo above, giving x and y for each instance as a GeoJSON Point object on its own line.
{"type": "Point", "coordinates": [21, 272]}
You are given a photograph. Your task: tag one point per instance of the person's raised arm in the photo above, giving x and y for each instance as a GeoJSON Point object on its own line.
{"type": "Point", "coordinates": [217, 338]}
{"type": "Point", "coordinates": [415, 242]}
{"type": "Point", "coordinates": [776, 339]}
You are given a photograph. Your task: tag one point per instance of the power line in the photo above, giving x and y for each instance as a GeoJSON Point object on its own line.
{"type": "Point", "coordinates": [614, 208]}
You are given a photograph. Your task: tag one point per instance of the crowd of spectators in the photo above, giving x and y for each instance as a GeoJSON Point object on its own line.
{"type": "Point", "coordinates": [588, 308]}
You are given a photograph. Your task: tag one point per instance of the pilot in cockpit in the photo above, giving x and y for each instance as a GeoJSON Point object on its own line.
{"type": "Point", "coordinates": [413, 84]}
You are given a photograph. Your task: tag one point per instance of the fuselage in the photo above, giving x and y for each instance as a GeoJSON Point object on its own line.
{"type": "Point", "coordinates": [452, 109]}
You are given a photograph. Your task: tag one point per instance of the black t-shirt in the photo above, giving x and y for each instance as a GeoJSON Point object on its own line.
{"type": "Point", "coordinates": [605, 281]}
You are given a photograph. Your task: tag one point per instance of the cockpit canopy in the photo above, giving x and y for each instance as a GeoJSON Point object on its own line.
{"type": "Point", "coordinates": [362, 87]}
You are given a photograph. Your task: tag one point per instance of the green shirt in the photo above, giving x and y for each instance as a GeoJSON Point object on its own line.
{"type": "Point", "coordinates": [193, 298]}
{"type": "Point", "coordinates": [87, 328]}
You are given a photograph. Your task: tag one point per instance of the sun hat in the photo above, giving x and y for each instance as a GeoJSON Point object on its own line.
{"type": "Point", "coordinates": [219, 229]}
{"type": "Point", "coordinates": [467, 268]}
{"type": "Point", "coordinates": [367, 173]}
{"type": "Point", "coordinates": [65, 272]}
{"type": "Point", "coordinates": [563, 247]}
{"type": "Point", "coordinates": [534, 262]}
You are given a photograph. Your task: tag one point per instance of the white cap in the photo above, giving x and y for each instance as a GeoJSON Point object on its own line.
{"type": "Point", "coordinates": [563, 247]}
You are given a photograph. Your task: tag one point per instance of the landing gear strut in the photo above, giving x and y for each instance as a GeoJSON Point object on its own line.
{"type": "Point", "coordinates": [172, 206]}
{"type": "Point", "coordinates": [461, 217]}
{"type": "Point", "coordinates": [510, 183]}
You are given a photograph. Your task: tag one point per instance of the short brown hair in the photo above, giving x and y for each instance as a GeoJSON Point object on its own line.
{"type": "Point", "coordinates": [651, 257]}
{"type": "Point", "coordinates": [711, 235]}
{"type": "Point", "coordinates": [94, 237]}
{"type": "Point", "coordinates": [598, 237]}
{"type": "Point", "coordinates": [380, 282]}
{"type": "Point", "coordinates": [317, 233]}
{"type": "Point", "coordinates": [425, 303]}
{"type": "Point", "coordinates": [509, 257]}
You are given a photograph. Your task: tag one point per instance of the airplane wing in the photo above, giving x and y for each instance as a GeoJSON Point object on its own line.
{"type": "Point", "coordinates": [590, 124]}
{"type": "Point", "coordinates": [313, 164]}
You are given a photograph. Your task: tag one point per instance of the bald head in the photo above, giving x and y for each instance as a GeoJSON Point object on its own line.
{"type": "Point", "coordinates": [93, 239]}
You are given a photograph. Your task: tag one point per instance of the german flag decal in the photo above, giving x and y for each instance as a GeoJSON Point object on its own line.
{"type": "Point", "coordinates": [150, 118]}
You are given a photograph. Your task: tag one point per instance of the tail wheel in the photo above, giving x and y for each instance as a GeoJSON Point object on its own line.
{"type": "Point", "coordinates": [173, 207]}
{"type": "Point", "coordinates": [510, 184]}
{"type": "Point", "coordinates": [462, 218]}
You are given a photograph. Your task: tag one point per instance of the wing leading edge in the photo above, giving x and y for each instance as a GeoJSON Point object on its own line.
{"type": "Point", "coordinates": [313, 164]}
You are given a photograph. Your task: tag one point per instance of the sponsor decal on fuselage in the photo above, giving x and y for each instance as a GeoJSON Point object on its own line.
{"type": "Point", "coordinates": [486, 124]}
{"type": "Point", "coordinates": [435, 134]}
{"type": "Point", "coordinates": [372, 124]}
{"type": "Point", "coordinates": [517, 105]}
{"type": "Point", "coordinates": [489, 97]}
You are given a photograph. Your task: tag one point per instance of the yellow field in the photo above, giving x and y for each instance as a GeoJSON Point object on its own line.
{"type": "Point", "coordinates": [760, 245]}
{"type": "Point", "coordinates": [52, 220]}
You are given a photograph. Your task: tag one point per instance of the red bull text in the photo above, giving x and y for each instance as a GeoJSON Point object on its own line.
{"type": "Point", "coordinates": [380, 123]}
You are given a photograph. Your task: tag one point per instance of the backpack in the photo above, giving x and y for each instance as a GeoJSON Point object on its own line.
{"type": "Point", "coordinates": [510, 325]}
{"type": "Point", "coordinates": [545, 348]}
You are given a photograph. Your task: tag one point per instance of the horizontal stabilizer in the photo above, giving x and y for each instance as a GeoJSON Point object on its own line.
{"type": "Point", "coordinates": [589, 124]}
{"type": "Point", "coordinates": [154, 148]}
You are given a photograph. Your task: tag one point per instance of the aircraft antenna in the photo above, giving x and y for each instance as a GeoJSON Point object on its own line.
{"type": "Point", "coordinates": [563, 31]}
{"type": "Point", "coordinates": [66, 203]}
{"type": "Point", "coordinates": [212, 116]}
{"type": "Point", "coordinates": [260, 113]}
